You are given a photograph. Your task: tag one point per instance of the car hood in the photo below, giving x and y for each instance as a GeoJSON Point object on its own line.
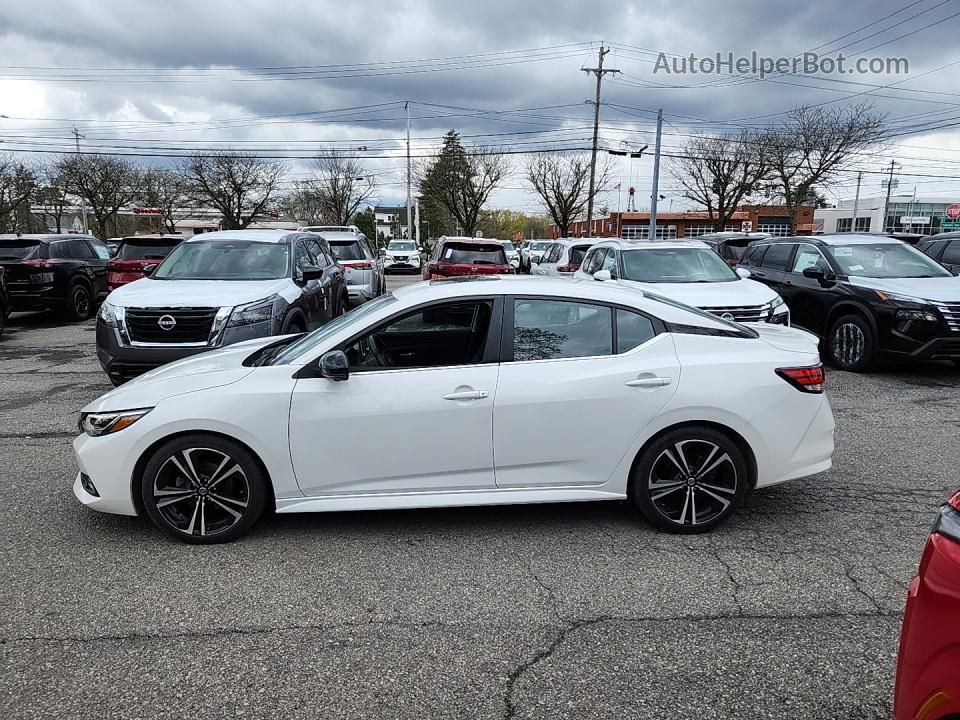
{"type": "Point", "coordinates": [148, 292]}
{"type": "Point", "coordinates": [943, 289]}
{"type": "Point", "coordinates": [197, 372]}
{"type": "Point", "coordinates": [720, 294]}
{"type": "Point", "coordinates": [786, 338]}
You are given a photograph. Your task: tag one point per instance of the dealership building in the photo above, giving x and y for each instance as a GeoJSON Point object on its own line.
{"type": "Point", "coordinates": [906, 213]}
{"type": "Point", "coordinates": [773, 219]}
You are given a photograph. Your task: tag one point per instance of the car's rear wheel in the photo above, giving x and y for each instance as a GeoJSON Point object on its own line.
{"type": "Point", "coordinates": [79, 301]}
{"type": "Point", "coordinates": [851, 344]}
{"type": "Point", "coordinates": [689, 480]}
{"type": "Point", "coordinates": [203, 489]}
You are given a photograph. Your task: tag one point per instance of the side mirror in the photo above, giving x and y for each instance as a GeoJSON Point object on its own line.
{"type": "Point", "coordinates": [602, 275]}
{"type": "Point", "coordinates": [312, 272]}
{"type": "Point", "coordinates": [334, 365]}
{"type": "Point", "coordinates": [148, 269]}
{"type": "Point", "coordinates": [814, 272]}
{"type": "Point", "coordinates": [743, 272]}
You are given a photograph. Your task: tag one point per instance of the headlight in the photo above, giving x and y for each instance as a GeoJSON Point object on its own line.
{"type": "Point", "coordinates": [258, 311]}
{"type": "Point", "coordinates": [893, 297]}
{"type": "Point", "coordinates": [905, 315]}
{"type": "Point", "coordinates": [96, 424]}
{"type": "Point", "coordinates": [107, 314]}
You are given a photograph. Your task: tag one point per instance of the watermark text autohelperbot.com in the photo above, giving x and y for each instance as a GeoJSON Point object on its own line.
{"type": "Point", "coordinates": [809, 63]}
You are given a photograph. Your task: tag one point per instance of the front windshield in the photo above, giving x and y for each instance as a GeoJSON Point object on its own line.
{"type": "Point", "coordinates": [309, 341]}
{"type": "Point", "coordinates": [402, 246]}
{"type": "Point", "coordinates": [508, 246]}
{"type": "Point", "coordinates": [225, 260]}
{"type": "Point", "coordinates": [676, 265]}
{"type": "Point", "coordinates": [885, 260]}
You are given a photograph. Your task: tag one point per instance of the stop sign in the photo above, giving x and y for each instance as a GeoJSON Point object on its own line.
{"type": "Point", "coordinates": [953, 211]}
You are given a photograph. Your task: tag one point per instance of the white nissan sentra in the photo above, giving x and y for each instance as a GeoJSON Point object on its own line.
{"type": "Point", "coordinates": [477, 391]}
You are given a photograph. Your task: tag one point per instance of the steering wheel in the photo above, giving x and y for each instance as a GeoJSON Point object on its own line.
{"type": "Point", "coordinates": [379, 350]}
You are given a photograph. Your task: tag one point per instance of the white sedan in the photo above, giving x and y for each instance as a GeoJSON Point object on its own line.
{"type": "Point", "coordinates": [627, 396]}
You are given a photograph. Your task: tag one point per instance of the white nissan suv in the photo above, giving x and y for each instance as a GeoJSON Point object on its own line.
{"type": "Point", "coordinates": [687, 271]}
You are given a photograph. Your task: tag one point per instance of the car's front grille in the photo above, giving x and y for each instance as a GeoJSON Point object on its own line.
{"type": "Point", "coordinates": [400, 258]}
{"type": "Point", "coordinates": [740, 313]}
{"type": "Point", "coordinates": [174, 325]}
{"type": "Point", "coordinates": [951, 313]}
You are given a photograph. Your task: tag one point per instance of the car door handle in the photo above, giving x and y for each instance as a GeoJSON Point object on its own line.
{"type": "Point", "coordinates": [649, 382]}
{"type": "Point", "coordinates": [467, 395]}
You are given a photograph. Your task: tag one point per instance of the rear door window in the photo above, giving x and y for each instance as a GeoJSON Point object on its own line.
{"type": "Point", "coordinates": [80, 250]}
{"type": "Point", "coordinates": [555, 329]}
{"type": "Point", "coordinates": [951, 255]}
{"type": "Point", "coordinates": [777, 256]}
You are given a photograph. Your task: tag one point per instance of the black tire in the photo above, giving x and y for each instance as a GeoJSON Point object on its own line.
{"type": "Point", "coordinates": [179, 481]}
{"type": "Point", "coordinates": [3, 318]}
{"type": "Point", "coordinates": [851, 344]}
{"type": "Point", "coordinates": [293, 323]}
{"type": "Point", "coordinates": [117, 381]}
{"type": "Point", "coordinates": [79, 304]}
{"type": "Point", "coordinates": [684, 467]}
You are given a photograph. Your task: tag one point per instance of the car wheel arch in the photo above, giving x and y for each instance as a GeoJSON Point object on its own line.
{"type": "Point", "coordinates": [849, 308]}
{"type": "Point", "coordinates": [294, 315]}
{"type": "Point", "coordinates": [141, 464]}
{"type": "Point", "coordinates": [736, 438]}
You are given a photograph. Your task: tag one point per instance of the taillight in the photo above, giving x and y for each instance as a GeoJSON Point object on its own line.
{"type": "Point", "coordinates": [37, 263]}
{"type": "Point", "coordinates": [805, 379]}
{"type": "Point", "coordinates": [569, 267]}
{"type": "Point", "coordinates": [363, 265]}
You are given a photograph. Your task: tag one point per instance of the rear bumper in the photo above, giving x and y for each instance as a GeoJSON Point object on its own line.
{"type": "Point", "coordinates": [40, 298]}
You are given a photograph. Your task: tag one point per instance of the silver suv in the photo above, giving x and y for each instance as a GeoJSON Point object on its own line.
{"type": "Point", "coordinates": [362, 265]}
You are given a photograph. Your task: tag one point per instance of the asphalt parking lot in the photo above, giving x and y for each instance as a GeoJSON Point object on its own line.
{"type": "Point", "coordinates": [791, 610]}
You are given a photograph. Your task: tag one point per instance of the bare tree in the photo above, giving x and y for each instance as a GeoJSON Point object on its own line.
{"type": "Point", "coordinates": [106, 183]}
{"type": "Point", "coordinates": [167, 192]}
{"type": "Point", "coordinates": [52, 194]}
{"type": "Point", "coordinates": [721, 171]}
{"type": "Point", "coordinates": [302, 204]}
{"type": "Point", "coordinates": [17, 184]}
{"type": "Point", "coordinates": [814, 145]}
{"type": "Point", "coordinates": [239, 185]}
{"type": "Point", "coordinates": [340, 185]}
{"type": "Point", "coordinates": [562, 181]}
{"type": "Point", "coordinates": [462, 182]}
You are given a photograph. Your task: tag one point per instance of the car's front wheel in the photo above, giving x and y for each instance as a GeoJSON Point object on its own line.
{"type": "Point", "coordinates": [203, 489]}
{"type": "Point", "coordinates": [689, 480]}
{"type": "Point", "coordinates": [851, 344]}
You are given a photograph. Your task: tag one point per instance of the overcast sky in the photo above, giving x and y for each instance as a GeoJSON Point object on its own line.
{"type": "Point", "coordinates": [290, 78]}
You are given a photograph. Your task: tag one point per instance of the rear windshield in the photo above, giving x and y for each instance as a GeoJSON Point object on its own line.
{"type": "Point", "coordinates": [472, 254]}
{"type": "Point", "coordinates": [19, 249]}
{"type": "Point", "coordinates": [576, 254]}
{"type": "Point", "coordinates": [349, 250]}
{"type": "Point", "coordinates": [145, 249]}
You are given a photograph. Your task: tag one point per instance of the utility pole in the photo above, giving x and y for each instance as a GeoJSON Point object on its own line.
{"type": "Point", "coordinates": [856, 201]}
{"type": "Point", "coordinates": [406, 107]}
{"type": "Point", "coordinates": [416, 225]}
{"type": "Point", "coordinates": [599, 71]}
{"type": "Point", "coordinates": [83, 200]}
{"type": "Point", "coordinates": [886, 203]}
{"type": "Point", "coordinates": [652, 232]}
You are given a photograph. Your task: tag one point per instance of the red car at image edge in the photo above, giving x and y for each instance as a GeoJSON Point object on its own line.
{"type": "Point", "coordinates": [928, 665]}
{"type": "Point", "coordinates": [137, 255]}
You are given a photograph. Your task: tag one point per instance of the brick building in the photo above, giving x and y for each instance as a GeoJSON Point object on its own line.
{"type": "Point", "coordinates": [773, 219]}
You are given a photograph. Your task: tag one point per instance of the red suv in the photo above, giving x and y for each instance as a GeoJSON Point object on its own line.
{"type": "Point", "coordinates": [136, 255]}
{"type": "Point", "coordinates": [928, 666]}
{"type": "Point", "coordinates": [453, 256]}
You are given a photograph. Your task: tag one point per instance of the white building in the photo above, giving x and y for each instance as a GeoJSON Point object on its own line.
{"type": "Point", "coordinates": [906, 213]}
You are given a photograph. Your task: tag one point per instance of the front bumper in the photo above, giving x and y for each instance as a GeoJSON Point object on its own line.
{"type": "Point", "coordinates": [411, 263]}
{"type": "Point", "coordinates": [103, 461]}
{"type": "Point", "coordinates": [941, 348]}
{"type": "Point", "coordinates": [123, 361]}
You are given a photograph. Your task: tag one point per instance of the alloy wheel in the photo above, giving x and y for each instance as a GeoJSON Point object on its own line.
{"type": "Point", "coordinates": [692, 482]}
{"type": "Point", "coordinates": [201, 492]}
{"type": "Point", "coordinates": [81, 302]}
{"type": "Point", "coordinates": [847, 343]}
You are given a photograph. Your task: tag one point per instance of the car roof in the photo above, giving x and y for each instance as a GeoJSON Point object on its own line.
{"type": "Point", "coordinates": [544, 286]}
{"type": "Point", "coordinates": [677, 244]}
{"type": "Point", "coordinates": [46, 237]}
{"type": "Point", "coordinates": [944, 235]}
{"type": "Point", "coordinates": [471, 240]}
{"type": "Point", "coordinates": [834, 239]}
{"type": "Point", "coordinates": [155, 236]}
{"type": "Point", "coordinates": [577, 241]}
{"type": "Point", "coordinates": [264, 236]}
{"type": "Point", "coordinates": [328, 235]}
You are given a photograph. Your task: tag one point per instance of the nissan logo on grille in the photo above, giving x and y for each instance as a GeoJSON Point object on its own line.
{"type": "Point", "coordinates": [167, 322]}
{"type": "Point", "coordinates": [726, 316]}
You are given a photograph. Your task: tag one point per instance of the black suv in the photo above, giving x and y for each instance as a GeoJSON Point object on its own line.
{"type": "Point", "coordinates": [66, 273]}
{"type": "Point", "coordinates": [4, 299]}
{"type": "Point", "coordinates": [869, 297]}
{"type": "Point", "coordinates": [944, 248]}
